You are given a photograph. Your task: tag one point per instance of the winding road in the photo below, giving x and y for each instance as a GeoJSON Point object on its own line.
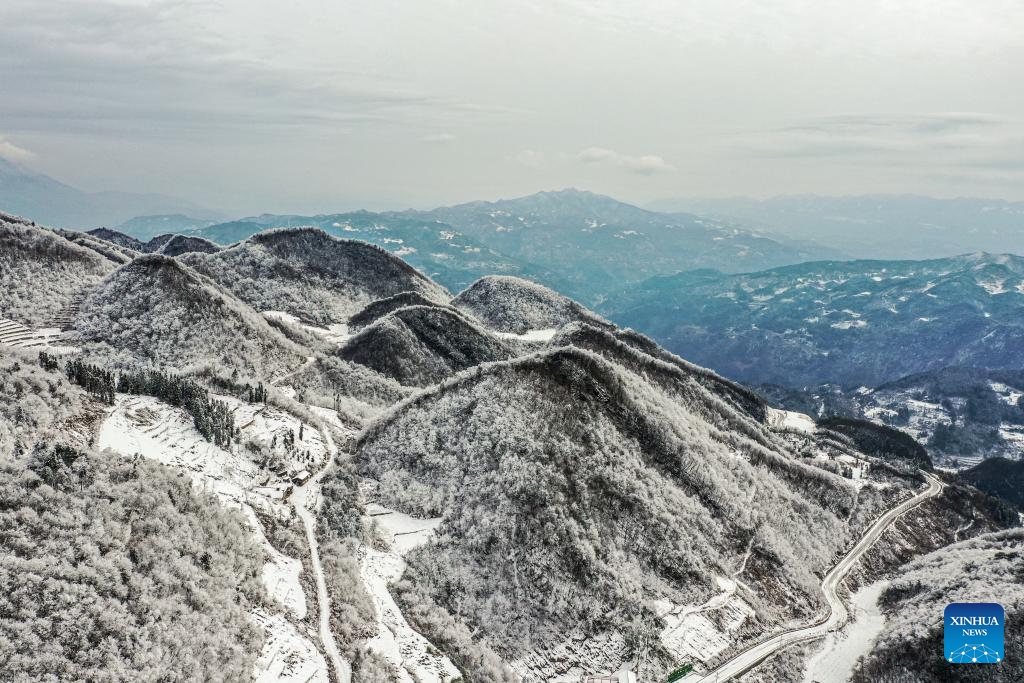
{"type": "Point", "coordinates": [837, 615]}
{"type": "Point", "coordinates": [305, 499]}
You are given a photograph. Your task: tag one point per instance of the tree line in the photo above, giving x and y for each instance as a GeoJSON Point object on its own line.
{"type": "Point", "coordinates": [212, 418]}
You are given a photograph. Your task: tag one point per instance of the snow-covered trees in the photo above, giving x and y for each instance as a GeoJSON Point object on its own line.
{"type": "Point", "coordinates": [575, 489]}
{"type": "Point", "coordinates": [422, 345]}
{"type": "Point", "coordinates": [988, 568]}
{"type": "Point", "coordinates": [41, 272]}
{"type": "Point", "coordinates": [511, 304]}
{"type": "Point", "coordinates": [111, 569]}
{"type": "Point", "coordinates": [156, 310]}
{"type": "Point", "coordinates": [311, 275]}
{"type": "Point", "coordinates": [118, 571]}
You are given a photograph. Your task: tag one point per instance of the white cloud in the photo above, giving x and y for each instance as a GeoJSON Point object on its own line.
{"type": "Point", "coordinates": [593, 155]}
{"type": "Point", "coordinates": [530, 158]}
{"type": "Point", "coordinates": [439, 138]}
{"type": "Point", "coordinates": [11, 152]}
{"type": "Point", "coordinates": [647, 164]}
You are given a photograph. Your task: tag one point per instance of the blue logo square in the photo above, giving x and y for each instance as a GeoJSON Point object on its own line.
{"type": "Point", "coordinates": [973, 633]}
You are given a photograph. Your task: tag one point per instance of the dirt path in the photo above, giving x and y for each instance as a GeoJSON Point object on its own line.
{"type": "Point", "coordinates": [306, 499]}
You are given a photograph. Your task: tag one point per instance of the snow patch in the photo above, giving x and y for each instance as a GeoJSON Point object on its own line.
{"type": "Point", "coordinates": [410, 653]}
{"type": "Point", "coordinates": [530, 335]}
{"type": "Point", "coordinates": [787, 420]}
{"type": "Point", "coordinates": [1006, 393]}
{"type": "Point", "coordinates": [993, 286]}
{"type": "Point", "coordinates": [287, 656]}
{"type": "Point", "coordinates": [840, 651]}
{"type": "Point", "coordinates": [336, 333]}
{"type": "Point", "coordinates": [848, 324]}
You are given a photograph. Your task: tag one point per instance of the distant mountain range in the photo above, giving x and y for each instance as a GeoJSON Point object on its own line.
{"type": "Point", "coordinates": [875, 226]}
{"type": "Point", "coordinates": [577, 242]}
{"type": "Point", "coordinates": [41, 198]}
{"type": "Point", "coordinates": [851, 323]}
{"type": "Point", "coordinates": [147, 227]}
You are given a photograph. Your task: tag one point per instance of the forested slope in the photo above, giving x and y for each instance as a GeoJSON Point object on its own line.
{"type": "Point", "coordinates": [112, 569]}
{"type": "Point", "coordinates": [423, 345]}
{"type": "Point", "coordinates": [989, 568]}
{"type": "Point", "coordinates": [41, 272]}
{"type": "Point", "coordinates": [311, 275]}
{"type": "Point", "coordinates": [576, 490]}
{"type": "Point", "coordinates": [157, 310]}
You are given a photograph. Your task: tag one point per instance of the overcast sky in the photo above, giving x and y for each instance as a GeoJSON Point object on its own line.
{"type": "Point", "coordinates": [316, 105]}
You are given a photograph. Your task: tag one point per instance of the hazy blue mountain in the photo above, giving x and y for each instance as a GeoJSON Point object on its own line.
{"type": "Point", "coordinates": [597, 242]}
{"type": "Point", "coordinates": [876, 226]}
{"type": "Point", "coordinates": [145, 228]}
{"type": "Point", "coordinates": [857, 322]}
{"type": "Point", "coordinates": [41, 198]}
{"type": "Point", "coordinates": [579, 243]}
{"type": "Point", "coordinates": [438, 250]}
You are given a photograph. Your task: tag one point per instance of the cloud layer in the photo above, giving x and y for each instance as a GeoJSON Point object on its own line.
{"type": "Point", "coordinates": [647, 164]}
{"type": "Point", "coordinates": [232, 102]}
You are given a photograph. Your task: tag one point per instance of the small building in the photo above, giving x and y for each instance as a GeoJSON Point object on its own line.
{"type": "Point", "coordinates": [301, 477]}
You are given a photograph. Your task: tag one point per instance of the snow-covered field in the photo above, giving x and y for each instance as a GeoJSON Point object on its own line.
{"type": "Point", "coordinates": [787, 420]}
{"type": "Point", "coordinates": [336, 334]}
{"type": "Point", "coordinates": [839, 652]}
{"type": "Point", "coordinates": [409, 652]}
{"type": "Point", "coordinates": [145, 426]}
{"type": "Point", "coordinates": [288, 656]}
{"type": "Point", "coordinates": [691, 634]}
{"type": "Point", "coordinates": [142, 425]}
{"type": "Point", "coordinates": [530, 335]}
{"type": "Point", "coordinates": [44, 338]}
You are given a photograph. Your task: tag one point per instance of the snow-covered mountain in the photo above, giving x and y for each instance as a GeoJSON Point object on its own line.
{"type": "Point", "coordinates": [961, 415]}
{"type": "Point", "coordinates": [589, 494]}
{"type": "Point", "coordinates": [158, 310]}
{"type": "Point", "coordinates": [852, 323]}
{"type": "Point", "coordinates": [186, 244]}
{"type": "Point", "coordinates": [516, 306]}
{"type": "Point", "coordinates": [300, 459]}
{"type": "Point", "coordinates": [423, 345]}
{"type": "Point", "coordinates": [309, 274]}
{"type": "Point", "coordinates": [42, 275]}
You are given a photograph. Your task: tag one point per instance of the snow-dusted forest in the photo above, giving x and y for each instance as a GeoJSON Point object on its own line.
{"type": "Point", "coordinates": [298, 458]}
